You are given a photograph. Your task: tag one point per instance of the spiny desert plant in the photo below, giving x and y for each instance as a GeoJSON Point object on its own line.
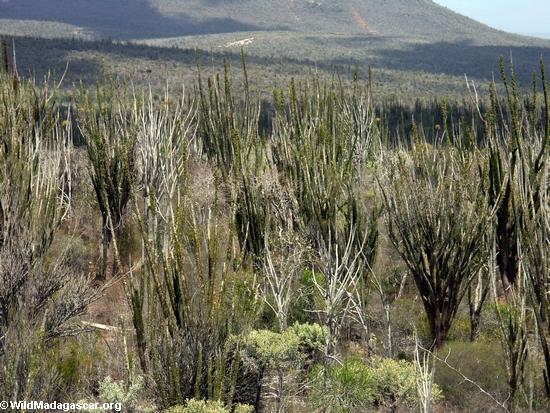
{"type": "Point", "coordinates": [283, 262]}
{"type": "Point", "coordinates": [437, 218]}
{"type": "Point", "coordinates": [517, 171]}
{"type": "Point", "coordinates": [164, 130]}
{"type": "Point", "coordinates": [228, 128]}
{"type": "Point", "coordinates": [534, 200]}
{"type": "Point", "coordinates": [189, 298]}
{"type": "Point", "coordinates": [40, 297]}
{"type": "Point", "coordinates": [228, 133]}
{"type": "Point", "coordinates": [323, 136]}
{"type": "Point", "coordinates": [5, 56]}
{"type": "Point", "coordinates": [110, 137]}
{"type": "Point", "coordinates": [339, 276]}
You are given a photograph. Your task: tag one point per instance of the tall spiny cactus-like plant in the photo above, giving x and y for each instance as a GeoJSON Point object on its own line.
{"type": "Point", "coordinates": [191, 296]}
{"type": "Point", "coordinates": [187, 319]}
{"type": "Point", "coordinates": [323, 137]}
{"type": "Point", "coordinates": [340, 273]}
{"type": "Point", "coordinates": [228, 128]}
{"type": "Point", "coordinates": [517, 175]}
{"type": "Point", "coordinates": [437, 218]}
{"type": "Point", "coordinates": [110, 137]}
{"type": "Point", "coordinates": [39, 295]}
{"type": "Point", "coordinates": [228, 133]}
{"type": "Point", "coordinates": [525, 162]}
{"type": "Point", "coordinates": [5, 55]}
{"type": "Point", "coordinates": [536, 199]}
{"type": "Point", "coordinates": [164, 134]}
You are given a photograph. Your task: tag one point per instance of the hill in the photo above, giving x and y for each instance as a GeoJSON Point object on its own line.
{"type": "Point", "coordinates": [400, 37]}
{"type": "Point", "coordinates": [141, 19]}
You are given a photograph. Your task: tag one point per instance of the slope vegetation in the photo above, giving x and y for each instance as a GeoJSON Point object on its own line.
{"type": "Point", "coordinates": [417, 37]}
{"type": "Point", "coordinates": [139, 19]}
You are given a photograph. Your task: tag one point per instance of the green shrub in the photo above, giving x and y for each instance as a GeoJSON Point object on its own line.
{"type": "Point", "coordinates": [118, 392]}
{"type": "Point", "coordinates": [343, 388]}
{"type": "Point", "coordinates": [198, 406]}
{"type": "Point", "coordinates": [395, 383]}
{"type": "Point", "coordinates": [275, 349]}
{"type": "Point", "coordinates": [77, 360]}
{"type": "Point", "coordinates": [356, 386]}
{"type": "Point", "coordinates": [311, 336]}
{"type": "Point", "coordinates": [244, 408]}
{"type": "Point", "coordinates": [201, 406]}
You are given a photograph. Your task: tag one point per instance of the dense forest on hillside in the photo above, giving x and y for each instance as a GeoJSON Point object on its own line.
{"type": "Point", "coordinates": [404, 75]}
{"type": "Point", "coordinates": [416, 47]}
{"type": "Point", "coordinates": [316, 249]}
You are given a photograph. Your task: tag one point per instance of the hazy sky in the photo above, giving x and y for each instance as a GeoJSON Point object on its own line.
{"type": "Point", "coordinates": [520, 16]}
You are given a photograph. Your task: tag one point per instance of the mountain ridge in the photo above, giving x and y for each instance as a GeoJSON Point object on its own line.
{"type": "Point", "coordinates": [142, 19]}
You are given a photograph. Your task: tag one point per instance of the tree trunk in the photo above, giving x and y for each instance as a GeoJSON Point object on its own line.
{"type": "Point", "coordinates": [104, 253]}
{"type": "Point", "coordinates": [440, 324]}
{"type": "Point", "coordinates": [475, 318]}
{"type": "Point", "coordinates": [331, 337]}
{"type": "Point", "coordinates": [280, 391]}
{"type": "Point", "coordinates": [387, 311]}
{"type": "Point", "coordinates": [507, 257]}
{"type": "Point", "coordinates": [259, 390]}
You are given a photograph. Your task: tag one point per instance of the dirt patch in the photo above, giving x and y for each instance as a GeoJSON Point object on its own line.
{"type": "Point", "coordinates": [362, 22]}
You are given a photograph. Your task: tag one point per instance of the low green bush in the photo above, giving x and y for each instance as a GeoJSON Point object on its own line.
{"type": "Point", "coordinates": [120, 392]}
{"type": "Point", "coordinates": [395, 383]}
{"type": "Point", "coordinates": [356, 386]}
{"type": "Point", "coordinates": [275, 349]}
{"type": "Point", "coordinates": [312, 337]}
{"type": "Point", "coordinates": [201, 406]}
{"type": "Point", "coordinates": [343, 388]}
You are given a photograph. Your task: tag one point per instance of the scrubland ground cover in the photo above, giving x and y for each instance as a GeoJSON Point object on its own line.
{"type": "Point", "coordinates": [208, 251]}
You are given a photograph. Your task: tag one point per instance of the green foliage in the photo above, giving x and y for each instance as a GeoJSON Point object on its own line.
{"type": "Point", "coordinates": [202, 204]}
{"type": "Point", "coordinates": [395, 383]}
{"type": "Point", "coordinates": [438, 219]}
{"type": "Point", "coordinates": [201, 406]}
{"type": "Point", "coordinates": [517, 172]}
{"type": "Point", "coordinates": [190, 299]}
{"type": "Point", "coordinates": [323, 136]}
{"type": "Point", "coordinates": [111, 391]}
{"type": "Point", "coordinates": [110, 143]}
{"type": "Point", "coordinates": [228, 130]}
{"type": "Point", "coordinates": [76, 360]}
{"type": "Point", "coordinates": [312, 337]}
{"type": "Point", "coordinates": [110, 139]}
{"type": "Point", "coordinates": [40, 297]}
{"type": "Point", "coordinates": [357, 386]}
{"type": "Point", "coordinates": [342, 389]}
{"type": "Point", "coordinates": [282, 352]}
{"type": "Point", "coordinates": [278, 350]}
